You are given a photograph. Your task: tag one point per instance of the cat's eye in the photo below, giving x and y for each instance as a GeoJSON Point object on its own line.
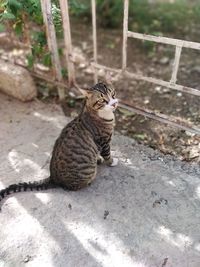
{"type": "Point", "coordinates": [101, 100]}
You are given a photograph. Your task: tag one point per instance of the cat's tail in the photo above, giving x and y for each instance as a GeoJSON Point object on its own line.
{"type": "Point", "coordinates": [20, 187]}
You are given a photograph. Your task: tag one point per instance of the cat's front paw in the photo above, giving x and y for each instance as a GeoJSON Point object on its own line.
{"type": "Point", "coordinates": [114, 162]}
{"type": "Point", "coordinates": [100, 160]}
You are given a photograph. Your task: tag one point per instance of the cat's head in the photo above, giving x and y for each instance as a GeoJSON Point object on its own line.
{"type": "Point", "coordinates": [101, 99]}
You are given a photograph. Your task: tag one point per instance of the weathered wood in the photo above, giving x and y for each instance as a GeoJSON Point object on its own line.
{"type": "Point", "coordinates": [173, 86]}
{"type": "Point", "coordinates": [170, 120]}
{"type": "Point", "coordinates": [164, 40]}
{"type": "Point", "coordinates": [176, 64]}
{"type": "Point", "coordinates": [52, 43]}
{"type": "Point", "coordinates": [94, 35]}
{"type": "Point", "coordinates": [145, 112]}
{"type": "Point", "coordinates": [67, 39]}
{"type": "Point", "coordinates": [125, 36]}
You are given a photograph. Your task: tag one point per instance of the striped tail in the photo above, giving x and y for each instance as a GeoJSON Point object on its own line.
{"type": "Point", "coordinates": [37, 185]}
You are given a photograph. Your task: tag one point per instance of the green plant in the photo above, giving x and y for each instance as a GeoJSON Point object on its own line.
{"type": "Point", "coordinates": [159, 18]}
{"type": "Point", "coordinates": [64, 73]}
{"type": "Point", "coordinates": [78, 7]}
{"type": "Point", "coordinates": [57, 19]}
{"type": "Point", "coordinates": [46, 59]}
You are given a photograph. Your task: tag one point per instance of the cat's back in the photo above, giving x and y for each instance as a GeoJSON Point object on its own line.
{"type": "Point", "coordinates": [75, 134]}
{"type": "Point", "coordinates": [74, 146]}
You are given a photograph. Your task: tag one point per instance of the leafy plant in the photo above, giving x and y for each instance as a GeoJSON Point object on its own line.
{"type": "Point", "coordinates": [46, 59]}
{"type": "Point", "coordinates": [2, 28]}
{"type": "Point", "coordinates": [64, 72]}
{"type": "Point", "coordinates": [30, 60]}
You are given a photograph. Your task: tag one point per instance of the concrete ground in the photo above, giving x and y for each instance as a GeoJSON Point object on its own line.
{"type": "Point", "coordinates": [145, 212]}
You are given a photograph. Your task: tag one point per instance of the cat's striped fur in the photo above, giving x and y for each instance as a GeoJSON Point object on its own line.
{"type": "Point", "coordinates": [76, 151]}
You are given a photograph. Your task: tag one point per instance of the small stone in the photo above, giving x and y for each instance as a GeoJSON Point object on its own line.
{"type": "Point", "coordinates": [190, 134]}
{"type": "Point", "coordinates": [158, 88]}
{"type": "Point", "coordinates": [166, 90]}
{"type": "Point", "coordinates": [27, 258]}
{"type": "Point", "coordinates": [179, 94]}
{"type": "Point", "coordinates": [164, 60]}
{"type": "Point", "coordinates": [82, 65]}
{"type": "Point", "coordinates": [88, 71]}
{"type": "Point", "coordinates": [101, 73]}
{"type": "Point", "coordinates": [71, 94]}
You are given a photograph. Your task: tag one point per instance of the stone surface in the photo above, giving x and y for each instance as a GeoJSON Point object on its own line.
{"type": "Point", "coordinates": [16, 81]}
{"type": "Point", "coordinates": [142, 213]}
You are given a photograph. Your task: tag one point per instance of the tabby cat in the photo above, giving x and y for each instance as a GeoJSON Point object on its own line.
{"type": "Point", "coordinates": [81, 143]}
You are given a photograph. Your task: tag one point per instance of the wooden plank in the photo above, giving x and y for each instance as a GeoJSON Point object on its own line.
{"type": "Point", "coordinates": [173, 86]}
{"type": "Point", "coordinates": [68, 41]}
{"type": "Point", "coordinates": [52, 43]}
{"type": "Point", "coordinates": [144, 112]}
{"type": "Point", "coordinates": [94, 37]}
{"type": "Point", "coordinates": [125, 36]}
{"type": "Point", "coordinates": [174, 122]}
{"type": "Point", "coordinates": [176, 64]}
{"type": "Point", "coordinates": [164, 40]}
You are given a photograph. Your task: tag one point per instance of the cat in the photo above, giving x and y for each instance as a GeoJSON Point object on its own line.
{"type": "Point", "coordinates": [82, 142]}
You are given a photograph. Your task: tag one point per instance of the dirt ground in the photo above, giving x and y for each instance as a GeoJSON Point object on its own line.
{"type": "Point", "coordinates": [153, 61]}
{"type": "Point", "coordinates": [156, 62]}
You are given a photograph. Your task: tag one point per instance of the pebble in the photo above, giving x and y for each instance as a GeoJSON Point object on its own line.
{"type": "Point", "coordinates": [27, 258]}
{"type": "Point", "coordinates": [158, 88]}
{"type": "Point", "coordinates": [164, 60]}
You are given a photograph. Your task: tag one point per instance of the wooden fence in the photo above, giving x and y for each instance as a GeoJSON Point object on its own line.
{"type": "Point", "coordinates": [179, 44]}
{"type": "Point", "coordinates": [123, 72]}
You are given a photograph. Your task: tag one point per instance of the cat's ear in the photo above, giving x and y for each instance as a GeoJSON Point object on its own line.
{"type": "Point", "coordinates": [86, 91]}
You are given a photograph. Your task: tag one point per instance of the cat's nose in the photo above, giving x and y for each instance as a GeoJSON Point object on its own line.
{"type": "Point", "coordinates": [113, 102]}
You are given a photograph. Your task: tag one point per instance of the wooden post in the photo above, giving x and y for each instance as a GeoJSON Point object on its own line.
{"type": "Point", "coordinates": [125, 35]}
{"type": "Point", "coordinates": [52, 43]}
{"type": "Point", "coordinates": [67, 39]}
{"type": "Point", "coordinates": [176, 64]}
{"type": "Point", "coordinates": [94, 34]}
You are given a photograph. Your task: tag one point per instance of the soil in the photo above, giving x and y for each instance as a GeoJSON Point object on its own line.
{"type": "Point", "coordinates": [155, 61]}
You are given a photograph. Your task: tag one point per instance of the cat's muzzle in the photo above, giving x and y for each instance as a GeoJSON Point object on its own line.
{"type": "Point", "coordinates": [113, 103]}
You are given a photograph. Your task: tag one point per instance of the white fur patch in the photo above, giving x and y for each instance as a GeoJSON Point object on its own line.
{"type": "Point", "coordinates": [115, 162]}
{"type": "Point", "coordinates": [113, 102]}
{"type": "Point", "coordinates": [106, 113]}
